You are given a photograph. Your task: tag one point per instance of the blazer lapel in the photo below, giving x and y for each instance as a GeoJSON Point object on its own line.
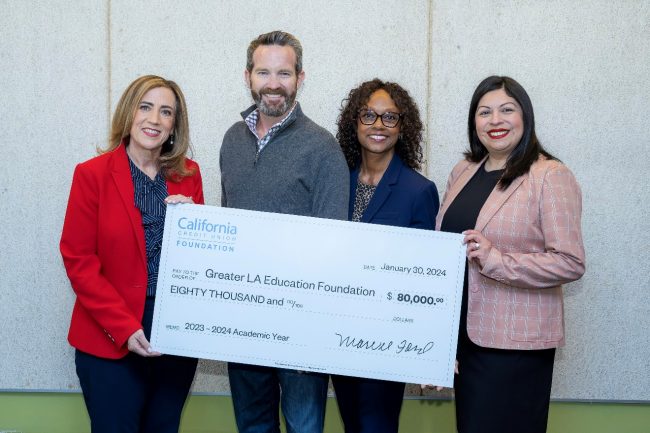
{"type": "Point", "coordinates": [495, 200]}
{"type": "Point", "coordinates": [123, 181]}
{"type": "Point", "coordinates": [354, 175]}
{"type": "Point", "coordinates": [384, 189]}
{"type": "Point", "coordinates": [459, 183]}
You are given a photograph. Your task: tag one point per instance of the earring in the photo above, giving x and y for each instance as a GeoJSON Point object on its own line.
{"type": "Point", "coordinates": [171, 139]}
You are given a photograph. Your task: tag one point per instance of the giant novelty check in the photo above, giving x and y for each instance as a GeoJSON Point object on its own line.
{"type": "Point", "coordinates": [310, 294]}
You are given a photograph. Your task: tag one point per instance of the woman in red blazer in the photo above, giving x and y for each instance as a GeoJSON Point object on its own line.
{"type": "Point", "coordinates": [110, 245]}
{"type": "Point", "coordinates": [520, 211]}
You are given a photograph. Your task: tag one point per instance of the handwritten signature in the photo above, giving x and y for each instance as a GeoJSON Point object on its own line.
{"type": "Point", "coordinates": [403, 346]}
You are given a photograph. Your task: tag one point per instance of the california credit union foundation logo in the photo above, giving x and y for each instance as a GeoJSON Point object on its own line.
{"type": "Point", "coordinates": [202, 234]}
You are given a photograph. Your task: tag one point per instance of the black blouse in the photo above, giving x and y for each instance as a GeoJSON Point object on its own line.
{"type": "Point", "coordinates": [461, 215]}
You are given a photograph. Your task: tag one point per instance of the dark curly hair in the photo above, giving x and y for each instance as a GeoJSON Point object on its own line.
{"type": "Point", "coordinates": [408, 146]}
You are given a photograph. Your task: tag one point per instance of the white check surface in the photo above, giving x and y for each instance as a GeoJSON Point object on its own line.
{"type": "Point", "coordinates": [309, 294]}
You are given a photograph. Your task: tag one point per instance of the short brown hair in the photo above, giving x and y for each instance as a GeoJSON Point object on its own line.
{"type": "Point", "coordinates": [276, 37]}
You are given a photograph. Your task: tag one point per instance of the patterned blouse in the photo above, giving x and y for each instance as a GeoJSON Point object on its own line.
{"type": "Point", "coordinates": [361, 199]}
{"type": "Point", "coordinates": [149, 198]}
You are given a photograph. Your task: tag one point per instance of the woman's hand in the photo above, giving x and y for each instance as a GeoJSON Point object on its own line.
{"type": "Point", "coordinates": [438, 387]}
{"type": "Point", "coordinates": [428, 386]}
{"type": "Point", "coordinates": [478, 246]}
{"type": "Point", "coordinates": [178, 198]}
{"type": "Point", "coordinates": [137, 343]}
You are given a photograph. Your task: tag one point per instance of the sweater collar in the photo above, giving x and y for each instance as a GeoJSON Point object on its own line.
{"type": "Point", "coordinates": [297, 112]}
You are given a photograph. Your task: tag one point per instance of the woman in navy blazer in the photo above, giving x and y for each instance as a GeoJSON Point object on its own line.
{"type": "Point", "coordinates": [110, 246]}
{"type": "Point", "coordinates": [380, 133]}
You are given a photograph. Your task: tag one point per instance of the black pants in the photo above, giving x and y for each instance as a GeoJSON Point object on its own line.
{"type": "Point", "coordinates": [502, 391]}
{"type": "Point", "coordinates": [368, 405]}
{"type": "Point", "coordinates": [135, 394]}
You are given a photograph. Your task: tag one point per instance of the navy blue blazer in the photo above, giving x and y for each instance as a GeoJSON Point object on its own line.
{"type": "Point", "coordinates": [403, 198]}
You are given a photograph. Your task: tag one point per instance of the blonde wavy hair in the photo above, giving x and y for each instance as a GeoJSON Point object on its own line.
{"type": "Point", "coordinates": [173, 155]}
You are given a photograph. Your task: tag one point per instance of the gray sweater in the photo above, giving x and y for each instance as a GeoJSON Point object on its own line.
{"type": "Point", "coordinates": [301, 171]}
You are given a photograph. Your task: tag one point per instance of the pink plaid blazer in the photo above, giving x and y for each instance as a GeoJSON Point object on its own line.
{"type": "Point", "coordinates": [515, 300]}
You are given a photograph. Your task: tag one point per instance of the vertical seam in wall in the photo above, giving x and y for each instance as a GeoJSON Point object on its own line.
{"type": "Point", "coordinates": [427, 143]}
{"type": "Point", "coordinates": [108, 69]}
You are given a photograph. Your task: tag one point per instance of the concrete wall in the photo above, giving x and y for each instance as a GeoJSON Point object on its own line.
{"type": "Point", "coordinates": [585, 65]}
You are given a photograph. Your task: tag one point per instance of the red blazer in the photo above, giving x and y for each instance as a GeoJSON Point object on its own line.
{"type": "Point", "coordinates": [104, 253]}
{"type": "Point", "coordinates": [515, 300]}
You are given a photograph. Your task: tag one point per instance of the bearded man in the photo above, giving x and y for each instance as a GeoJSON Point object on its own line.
{"type": "Point", "coordinates": [278, 160]}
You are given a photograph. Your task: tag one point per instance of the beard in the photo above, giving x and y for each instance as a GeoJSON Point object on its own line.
{"type": "Point", "coordinates": [273, 110]}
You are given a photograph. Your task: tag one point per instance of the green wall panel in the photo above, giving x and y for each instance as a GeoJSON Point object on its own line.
{"type": "Point", "coordinates": [66, 413]}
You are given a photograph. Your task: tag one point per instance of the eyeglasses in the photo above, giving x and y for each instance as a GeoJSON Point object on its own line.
{"type": "Point", "coordinates": [369, 117]}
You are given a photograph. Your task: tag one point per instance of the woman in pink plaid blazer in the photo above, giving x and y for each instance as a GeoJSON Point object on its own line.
{"type": "Point", "coordinates": [519, 209]}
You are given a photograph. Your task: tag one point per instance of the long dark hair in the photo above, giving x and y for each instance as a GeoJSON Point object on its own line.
{"type": "Point", "coordinates": [408, 146]}
{"type": "Point", "coordinates": [529, 147]}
